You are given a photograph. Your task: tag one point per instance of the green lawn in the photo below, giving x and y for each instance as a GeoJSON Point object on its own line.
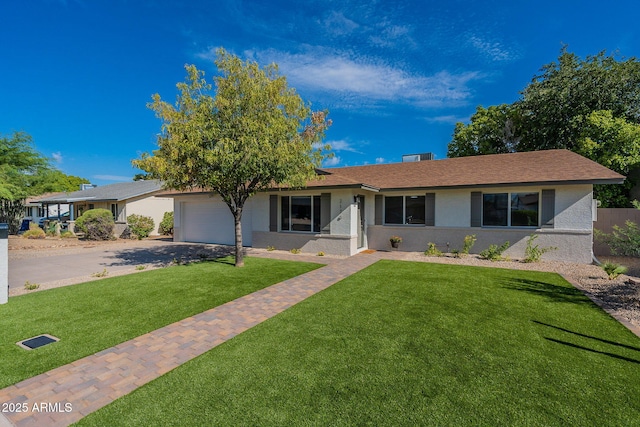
{"type": "Point", "coordinates": [96, 315]}
{"type": "Point", "coordinates": [405, 343]}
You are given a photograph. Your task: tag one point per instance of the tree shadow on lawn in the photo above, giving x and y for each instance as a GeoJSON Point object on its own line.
{"type": "Point", "coordinates": [161, 255]}
{"type": "Point", "coordinates": [616, 356]}
{"type": "Point", "coordinates": [629, 347]}
{"type": "Point", "coordinates": [548, 290]}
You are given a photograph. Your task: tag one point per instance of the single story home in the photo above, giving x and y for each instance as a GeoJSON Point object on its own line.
{"type": "Point", "coordinates": [498, 198]}
{"type": "Point", "coordinates": [122, 199]}
{"type": "Point", "coordinates": [34, 211]}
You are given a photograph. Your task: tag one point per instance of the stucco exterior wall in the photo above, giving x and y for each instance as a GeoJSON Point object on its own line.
{"type": "Point", "coordinates": [574, 207]}
{"type": "Point", "coordinates": [573, 245]}
{"type": "Point", "coordinates": [153, 206]}
{"type": "Point", "coordinates": [306, 242]}
{"type": "Point", "coordinates": [341, 240]}
{"type": "Point", "coordinates": [572, 232]}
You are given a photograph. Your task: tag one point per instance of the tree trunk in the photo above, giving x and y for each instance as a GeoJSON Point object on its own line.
{"type": "Point", "coordinates": [237, 216]}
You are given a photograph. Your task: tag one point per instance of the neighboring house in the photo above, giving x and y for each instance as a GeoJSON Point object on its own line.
{"type": "Point", "coordinates": [502, 197]}
{"type": "Point", "coordinates": [34, 211]}
{"type": "Point", "coordinates": [122, 199]}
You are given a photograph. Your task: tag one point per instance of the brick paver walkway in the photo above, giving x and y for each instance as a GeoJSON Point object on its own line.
{"type": "Point", "coordinates": [75, 390]}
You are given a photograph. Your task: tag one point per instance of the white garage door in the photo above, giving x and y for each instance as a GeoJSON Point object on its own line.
{"type": "Point", "coordinates": [212, 222]}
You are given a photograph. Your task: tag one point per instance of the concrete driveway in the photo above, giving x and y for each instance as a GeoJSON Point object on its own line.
{"type": "Point", "coordinates": [54, 265]}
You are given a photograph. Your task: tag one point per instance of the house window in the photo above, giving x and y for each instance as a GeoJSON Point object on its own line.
{"type": "Point", "coordinates": [114, 211]}
{"type": "Point", "coordinates": [404, 210]}
{"type": "Point", "coordinates": [300, 213]}
{"type": "Point", "coordinates": [510, 210]}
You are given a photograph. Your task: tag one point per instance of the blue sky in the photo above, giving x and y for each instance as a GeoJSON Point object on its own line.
{"type": "Point", "coordinates": [395, 75]}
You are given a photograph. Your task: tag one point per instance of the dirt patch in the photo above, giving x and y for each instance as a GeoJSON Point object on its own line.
{"type": "Point", "coordinates": [20, 243]}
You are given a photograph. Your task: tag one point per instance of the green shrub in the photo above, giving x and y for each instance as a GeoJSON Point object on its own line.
{"type": "Point", "coordinates": [468, 243]}
{"type": "Point", "coordinates": [533, 253]}
{"type": "Point", "coordinates": [141, 226]}
{"type": "Point", "coordinates": [320, 253]}
{"type": "Point", "coordinates": [613, 270]}
{"type": "Point", "coordinates": [34, 232]}
{"type": "Point", "coordinates": [494, 252]}
{"type": "Point", "coordinates": [456, 253]}
{"type": "Point", "coordinates": [96, 224]}
{"type": "Point", "coordinates": [295, 251]}
{"type": "Point", "coordinates": [432, 250]}
{"type": "Point", "coordinates": [102, 273]}
{"type": "Point", "coordinates": [271, 248]}
{"type": "Point", "coordinates": [31, 286]}
{"type": "Point", "coordinates": [623, 241]}
{"type": "Point", "coordinates": [67, 235]}
{"type": "Point", "coordinates": [166, 225]}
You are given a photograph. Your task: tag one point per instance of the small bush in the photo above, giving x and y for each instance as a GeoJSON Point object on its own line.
{"type": "Point", "coordinates": [468, 243]}
{"type": "Point", "coordinates": [320, 253]}
{"type": "Point", "coordinates": [140, 267]}
{"type": "Point", "coordinates": [432, 250]}
{"type": "Point", "coordinates": [96, 224]}
{"type": "Point", "coordinates": [624, 241]}
{"type": "Point", "coordinates": [102, 273]}
{"type": "Point", "coordinates": [166, 225]}
{"type": "Point", "coordinates": [533, 253]}
{"type": "Point", "coordinates": [51, 229]}
{"type": "Point", "coordinates": [456, 253]}
{"type": "Point", "coordinates": [494, 252]}
{"type": "Point", "coordinates": [295, 251]}
{"type": "Point", "coordinates": [31, 286]}
{"type": "Point", "coordinates": [271, 248]}
{"type": "Point", "coordinates": [613, 270]}
{"type": "Point", "coordinates": [67, 235]}
{"type": "Point", "coordinates": [141, 226]}
{"type": "Point", "coordinates": [34, 232]}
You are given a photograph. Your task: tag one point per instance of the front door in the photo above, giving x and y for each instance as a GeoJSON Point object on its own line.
{"type": "Point", "coordinates": [361, 222]}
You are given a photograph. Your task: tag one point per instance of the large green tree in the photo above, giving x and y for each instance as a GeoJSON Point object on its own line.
{"type": "Point", "coordinates": [20, 165]}
{"type": "Point", "coordinates": [615, 143]}
{"type": "Point", "coordinates": [252, 133]}
{"type": "Point", "coordinates": [555, 111]}
{"type": "Point", "coordinates": [491, 131]}
{"type": "Point", "coordinates": [53, 180]}
{"type": "Point", "coordinates": [25, 172]}
{"type": "Point", "coordinates": [556, 102]}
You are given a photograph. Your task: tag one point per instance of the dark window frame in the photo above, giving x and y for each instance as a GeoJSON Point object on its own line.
{"type": "Point", "coordinates": [509, 214]}
{"type": "Point", "coordinates": [314, 209]}
{"type": "Point", "coordinates": [403, 215]}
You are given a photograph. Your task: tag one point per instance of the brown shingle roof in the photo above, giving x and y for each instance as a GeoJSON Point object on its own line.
{"type": "Point", "coordinates": [535, 167]}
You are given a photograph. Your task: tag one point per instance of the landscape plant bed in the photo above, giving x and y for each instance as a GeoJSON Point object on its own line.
{"type": "Point", "coordinates": [94, 316]}
{"type": "Point", "coordinates": [408, 343]}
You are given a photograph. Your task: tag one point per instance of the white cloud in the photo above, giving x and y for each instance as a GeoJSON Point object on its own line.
{"type": "Point", "coordinates": [342, 145]}
{"type": "Point", "coordinates": [449, 119]}
{"type": "Point", "coordinates": [119, 178]}
{"type": "Point", "coordinates": [57, 157]}
{"type": "Point", "coordinates": [334, 161]}
{"type": "Point", "coordinates": [338, 25]}
{"type": "Point", "coordinates": [361, 82]}
{"type": "Point", "coordinates": [494, 51]}
{"type": "Point", "coordinates": [391, 35]}
{"type": "Point", "coordinates": [380, 160]}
